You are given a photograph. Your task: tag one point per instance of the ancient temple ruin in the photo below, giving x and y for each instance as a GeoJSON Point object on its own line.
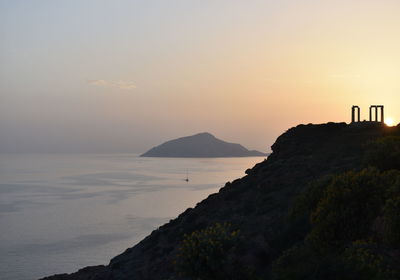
{"type": "Point", "coordinates": [376, 113]}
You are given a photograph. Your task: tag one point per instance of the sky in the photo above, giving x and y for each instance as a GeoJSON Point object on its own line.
{"type": "Point", "coordinates": [124, 75]}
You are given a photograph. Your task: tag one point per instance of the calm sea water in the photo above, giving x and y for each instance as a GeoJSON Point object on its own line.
{"type": "Point", "coordinates": [60, 212]}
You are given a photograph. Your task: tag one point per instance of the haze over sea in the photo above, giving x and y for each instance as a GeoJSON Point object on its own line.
{"type": "Point", "coordinates": [61, 212]}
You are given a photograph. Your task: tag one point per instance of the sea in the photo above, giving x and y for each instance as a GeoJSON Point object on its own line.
{"type": "Point", "coordinates": [61, 212]}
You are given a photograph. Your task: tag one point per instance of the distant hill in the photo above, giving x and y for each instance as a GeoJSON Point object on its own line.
{"type": "Point", "coordinates": [200, 145]}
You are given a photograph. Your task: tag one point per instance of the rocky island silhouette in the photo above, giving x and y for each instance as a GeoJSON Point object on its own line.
{"type": "Point", "coordinates": [200, 145]}
{"type": "Point", "coordinates": [324, 205]}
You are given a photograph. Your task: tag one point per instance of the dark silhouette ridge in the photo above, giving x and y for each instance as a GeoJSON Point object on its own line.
{"type": "Point", "coordinates": [257, 204]}
{"type": "Point", "coordinates": [200, 145]}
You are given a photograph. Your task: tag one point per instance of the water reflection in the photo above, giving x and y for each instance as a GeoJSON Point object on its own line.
{"type": "Point", "coordinates": [71, 211]}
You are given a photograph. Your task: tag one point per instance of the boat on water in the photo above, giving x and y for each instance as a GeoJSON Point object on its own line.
{"type": "Point", "coordinates": [187, 177]}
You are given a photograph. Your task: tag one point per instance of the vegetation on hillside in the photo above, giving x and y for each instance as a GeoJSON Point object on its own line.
{"type": "Point", "coordinates": [350, 223]}
{"type": "Point", "coordinates": [354, 232]}
{"type": "Point", "coordinates": [212, 253]}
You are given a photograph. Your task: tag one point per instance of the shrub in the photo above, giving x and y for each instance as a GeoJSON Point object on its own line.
{"type": "Point", "coordinates": [391, 222]}
{"type": "Point", "coordinates": [211, 253]}
{"type": "Point", "coordinates": [384, 153]}
{"type": "Point", "coordinates": [348, 208]}
{"type": "Point", "coordinates": [308, 200]}
{"type": "Point", "coordinates": [304, 263]}
{"type": "Point", "coordinates": [369, 261]}
{"type": "Point", "coordinates": [294, 263]}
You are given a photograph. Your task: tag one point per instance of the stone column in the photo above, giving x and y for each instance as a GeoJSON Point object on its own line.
{"type": "Point", "coordinates": [370, 113]}
{"type": "Point", "coordinates": [354, 117]}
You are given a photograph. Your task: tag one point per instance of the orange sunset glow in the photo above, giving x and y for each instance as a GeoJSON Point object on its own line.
{"type": "Point", "coordinates": [244, 63]}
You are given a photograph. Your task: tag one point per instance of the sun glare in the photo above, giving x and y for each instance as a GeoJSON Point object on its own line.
{"type": "Point", "coordinates": [389, 121]}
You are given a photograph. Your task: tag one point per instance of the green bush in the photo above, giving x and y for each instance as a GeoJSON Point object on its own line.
{"type": "Point", "coordinates": [348, 208]}
{"type": "Point", "coordinates": [354, 229]}
{"type": "Point", "coordinates": [368, 260]}
{"type": "Point", "coordinates": [308, 200]}
{"type": "Point", "coordinates": [304, 263]}
{"type": "Point", "coordinates": [384, 153]}
{"type": "Point", "coordinates": [391, 222]}
{"type": "Point", "coordinates": [363, 260]}
{"type": "Point", "coordinates": [294, 263]}
{"type": "Point", "coordinates": [210, 254]}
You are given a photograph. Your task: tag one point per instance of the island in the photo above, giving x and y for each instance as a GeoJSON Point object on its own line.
{"type": "Point", "coordinates": [201, 145]}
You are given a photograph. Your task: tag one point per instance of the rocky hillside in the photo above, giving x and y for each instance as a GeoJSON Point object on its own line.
{"type": "Point", "coordinates": [256, 207]}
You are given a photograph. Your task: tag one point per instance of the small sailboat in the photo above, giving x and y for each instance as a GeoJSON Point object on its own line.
{"type": "Point", "coordinates": [187, 176]}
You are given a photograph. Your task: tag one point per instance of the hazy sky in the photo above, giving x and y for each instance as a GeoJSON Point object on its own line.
{"type": "Point", "coordinates": [124, 75]}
